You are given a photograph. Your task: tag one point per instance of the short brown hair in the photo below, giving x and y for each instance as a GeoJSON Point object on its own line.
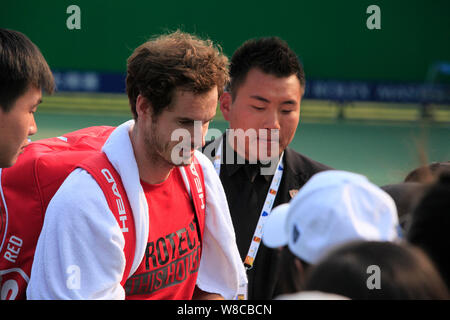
{"type": "Point", "coordinates": [21, 65]}
{"type": "Point", "coordinates": [175, 60]}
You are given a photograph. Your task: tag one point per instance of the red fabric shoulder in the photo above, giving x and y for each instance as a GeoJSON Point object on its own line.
{"type": "Point", "coordinates": [25, 192]}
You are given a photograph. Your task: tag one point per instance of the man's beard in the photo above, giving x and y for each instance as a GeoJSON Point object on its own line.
{"type": "Point", "coordinates": [162, 152]}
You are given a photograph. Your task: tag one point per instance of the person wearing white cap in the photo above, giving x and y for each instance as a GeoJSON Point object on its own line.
{"type": "Point", "coordinates": [332, 208]}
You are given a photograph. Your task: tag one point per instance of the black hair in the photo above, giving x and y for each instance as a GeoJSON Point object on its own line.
{"type": "Point", "coordinates": [404, 271]}
{"type": "Point", "coordinates": [430, 223]}
{"type": "Point", "coordinates": [271, 55]}
{"type": "Point", "coordinates": [21, 65]}
{"type": "Point", "coordinates": [427, 173]}
{"type": "Point", "coordinates": [406, 195]}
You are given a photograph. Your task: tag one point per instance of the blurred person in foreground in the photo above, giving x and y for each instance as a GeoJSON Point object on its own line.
{"type": "Point", "coordinates": [185, 245]}
{"type": "Point", "coordinates": [406, 196]}
{"type": "Point", "coordinates": [253, 159]}
{"type": "Point", "coordinates": [430, 222]}
{"type": "Point", "coordinates": [24, 73]}
{"type": "Point", "coordinates": [427, 173]}
{"type": "Point", "coordinates": [409, 192]}
{"type": "Point", "coordinates": [372, 270]}
{"type": "Point", "coordinates": [332, 208]}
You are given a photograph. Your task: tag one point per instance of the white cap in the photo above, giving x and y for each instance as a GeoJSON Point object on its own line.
{"type": "Point", "coordinates": [311, 295]}
{"type": "Point", "coordinates": [332, 208]}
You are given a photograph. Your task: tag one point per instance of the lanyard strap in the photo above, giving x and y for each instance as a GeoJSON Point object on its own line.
{"type": "Point", "coordinates": [265, 212]}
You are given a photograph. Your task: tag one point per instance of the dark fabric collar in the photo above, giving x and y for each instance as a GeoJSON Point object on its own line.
{"type": "Point", "coordinates": [251, 169]}
{"type": "Point", "coordinates": [299, 168]}
{"type": "Point", "coordinates": [290, 161]}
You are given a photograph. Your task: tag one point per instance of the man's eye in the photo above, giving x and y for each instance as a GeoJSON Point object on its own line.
{"type": "Point", "coordinates": [257, 108]}
{"type": "Point", "coordinates": [286, 111]}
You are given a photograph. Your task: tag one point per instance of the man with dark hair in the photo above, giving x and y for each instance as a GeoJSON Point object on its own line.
{"type": "Point", "coordinates": [184, 240]}
{"type": "Point", "coordinates": [257, 168]}
{"type": "Point", "coordinates": [24, 73]}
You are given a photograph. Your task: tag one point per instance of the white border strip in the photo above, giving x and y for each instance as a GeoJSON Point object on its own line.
{"type": "Point", "coordinates": [6, 211]}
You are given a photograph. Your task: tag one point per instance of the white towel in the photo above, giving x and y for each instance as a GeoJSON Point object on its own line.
{"type": "Point", "coordinates": [221, 269]}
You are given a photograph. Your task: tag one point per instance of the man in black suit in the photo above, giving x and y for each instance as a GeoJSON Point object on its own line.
{"type": "Point", "coordinates": [257, 168]}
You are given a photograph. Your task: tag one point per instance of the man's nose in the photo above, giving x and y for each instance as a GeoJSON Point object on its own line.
{"type": "Point", "coordinates": [33, 127]}
{"type": "Point", "coordinates": [200, 131]}
{"type": "Point", "coordinates": [272, 121]}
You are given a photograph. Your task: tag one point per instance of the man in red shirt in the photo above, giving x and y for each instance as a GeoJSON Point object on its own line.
{"type": "Point", "coordinates": [184, 249]}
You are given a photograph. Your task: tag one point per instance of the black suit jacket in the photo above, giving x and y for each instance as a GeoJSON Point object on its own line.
{"type": "Point", "coordinates": [274, 271]}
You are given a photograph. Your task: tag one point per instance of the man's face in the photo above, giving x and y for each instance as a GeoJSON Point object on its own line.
{"type": "Point", "coordinates": [16, 125]}
{"type": "Point", "coordinates": [267, 104]}
{"type": "Point", "coordinates": [173, 135]}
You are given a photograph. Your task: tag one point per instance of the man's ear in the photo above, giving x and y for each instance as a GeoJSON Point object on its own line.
{"type": "Point", "coordinates": [143, 107]}
{"type": "Point", "coordinates": [225, 105]}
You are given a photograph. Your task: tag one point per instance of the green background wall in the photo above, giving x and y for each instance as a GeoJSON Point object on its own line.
{"type": "Point", "coordinates": [331, 36]}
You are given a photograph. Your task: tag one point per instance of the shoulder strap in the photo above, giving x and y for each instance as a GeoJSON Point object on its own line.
{"type": "Point", "coordinates": [110, 182]}
{"type": "Point", "coordinates": [193, 173]}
